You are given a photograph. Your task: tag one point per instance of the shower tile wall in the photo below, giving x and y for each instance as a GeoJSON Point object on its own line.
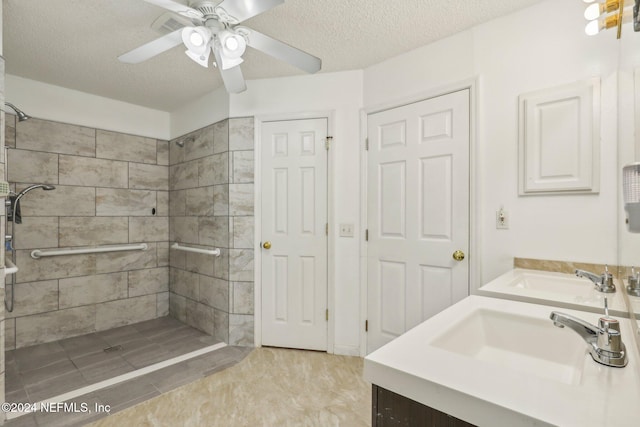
{"type": "Point", "coordinates": [107, 186]}
{"type": "Point", "coordinates": [211, 205]}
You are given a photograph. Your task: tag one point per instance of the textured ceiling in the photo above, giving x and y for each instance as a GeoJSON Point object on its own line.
{"type": "Point", "coordinates": [75, 43]}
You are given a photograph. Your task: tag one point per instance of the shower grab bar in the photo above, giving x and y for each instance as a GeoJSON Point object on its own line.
{"type": "Point", "coordinates": [9, 267]}
{"type": "Point", "coordinates": [39, 253]}
{"type": "Point", "coordinates": [178, 247]}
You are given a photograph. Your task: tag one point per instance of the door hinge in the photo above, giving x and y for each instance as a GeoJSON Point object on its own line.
{"type": "Point", "coordinates": [366, 326]}
{"type": "Point", "coordinates": [326, 229]}
{"type": "Point", "coordinates": [327, 314]}
{"type": "Point", "coordinates": [366, 144]}
{"type": "Point", "coordinates": [327, 142]}
{"type": "Point", "coordinates": [366, 235]}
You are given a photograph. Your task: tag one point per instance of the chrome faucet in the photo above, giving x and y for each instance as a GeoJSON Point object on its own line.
{"type": "Point", "coordinates": [633, 288]}
{"type": "Point", "coordinates": [604, 341]}
{"type": "Point", "coordinates": [603, 283]}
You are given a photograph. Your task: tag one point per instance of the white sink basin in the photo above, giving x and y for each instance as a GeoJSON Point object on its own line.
{"type": "Point", "coordinates": [559, 289]}
{"type": "Point", "coordinates": [517, 342]}
{"type": "Point", "coordinates": [501, 363]}
{"type": "Point", "coordinates": [544, 282]}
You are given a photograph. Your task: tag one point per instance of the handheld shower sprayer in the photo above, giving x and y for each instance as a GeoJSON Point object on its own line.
{"type": "Point", "coordinates": [12, 205]}
{"type": "Point", "coordinates": [14, 201]}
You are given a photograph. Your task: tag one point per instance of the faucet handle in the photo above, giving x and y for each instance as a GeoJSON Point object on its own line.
{"type": "Point", "coordinates": [607, 323]}
{"type": "Point", "coordinates": [607, 281]}
{"type": "Point", "coordinates": [634, 278]}
{"type": "Point", "coordinates": [609, 337]}
{"type": "Point", "coordinates": [633, 288]}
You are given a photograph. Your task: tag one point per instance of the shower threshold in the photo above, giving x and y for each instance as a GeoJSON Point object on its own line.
{"type": "Point", "coordinates": [110, 370]}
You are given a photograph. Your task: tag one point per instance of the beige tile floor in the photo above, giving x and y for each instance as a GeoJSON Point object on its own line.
{"type": "Point", "coordinates": [270, 388]}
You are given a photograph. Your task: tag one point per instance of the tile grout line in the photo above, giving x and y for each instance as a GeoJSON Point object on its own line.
{"type": "Point", "coordinates": [120, 378]}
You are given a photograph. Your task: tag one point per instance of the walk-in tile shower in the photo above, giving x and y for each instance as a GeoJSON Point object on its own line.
{"type": "Point", "coordinates": [79, 312]}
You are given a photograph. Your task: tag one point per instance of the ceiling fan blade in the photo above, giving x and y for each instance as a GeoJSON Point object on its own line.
{"type": "Point", "coordinates": [241, 10]}
{"type": "Point", "coordinates": [232, 77]}
{"type": "Point", "coordinates": [281, 50]}
{"type": "Point", "coordinates": [153, 48]}
{"type": "Point", "coordinates": [178, 8]}
{"type": "Point", "coordinates": [233, 80]}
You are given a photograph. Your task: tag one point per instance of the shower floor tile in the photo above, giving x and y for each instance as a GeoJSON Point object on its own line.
{"type": "Point", "coordinates": [37, 356]}
{"type": "Point", "coordinates": [83, 345]}
{"type": "Point", "coordinates": [46, 370]}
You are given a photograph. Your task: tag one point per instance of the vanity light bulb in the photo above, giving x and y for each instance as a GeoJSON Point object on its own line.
{"type": "Point", "coordinates": [592, 28]}
{"type": "Point", "coordinates": [592, 12]}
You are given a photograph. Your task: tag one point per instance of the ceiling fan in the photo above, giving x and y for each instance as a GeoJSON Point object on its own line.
{"type": "Point", "coordinates": [212, 27]}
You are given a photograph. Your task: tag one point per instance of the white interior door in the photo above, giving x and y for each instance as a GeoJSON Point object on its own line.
{"type": "Point", "coordinates": [294, 240]}
{"type": "Point", "coordinates": [418, 213]}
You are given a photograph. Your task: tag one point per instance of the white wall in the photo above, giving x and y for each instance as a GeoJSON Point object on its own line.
{"type": "Point", "coordinates": [340, 94]}
{"type": "Point", "coordinates": [540, 47]}
{"type": "Point", "coordinates": [49, 102]}
{"type": "Point", "coordinates": [209, 108]}
{"type": "Point", "coordinates": [409, 75]}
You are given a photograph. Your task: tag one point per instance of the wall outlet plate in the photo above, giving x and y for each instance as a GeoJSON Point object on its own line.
{"type": "Point", "coordinates": [346, 230]}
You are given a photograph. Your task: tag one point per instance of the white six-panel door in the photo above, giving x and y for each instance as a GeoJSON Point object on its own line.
{"type": "Point", "coordinates": [418, 213]}
{"type": "Point", "coordinates": [294, 242]}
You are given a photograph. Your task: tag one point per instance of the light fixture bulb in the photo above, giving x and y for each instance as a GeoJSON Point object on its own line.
{"type": "Point", "coordinates": [606, 22]}
{"type": "Point", "coordinates": [231, 43]}
{"type": "Point", "coordinates": [196, 39]}
{"type": "Point", "coordinates": [592, 28]}
{"type": "Point", "coordinates": [592, 12]}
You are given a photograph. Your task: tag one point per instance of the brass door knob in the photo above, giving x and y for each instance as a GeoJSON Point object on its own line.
{"type": "Point", "coordinates": [266, 245]}
{"type": "Point", "coordinates": [458, 255]}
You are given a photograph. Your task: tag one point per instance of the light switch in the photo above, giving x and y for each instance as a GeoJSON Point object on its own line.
{"type": "Point", "coordinates": [502, 219]}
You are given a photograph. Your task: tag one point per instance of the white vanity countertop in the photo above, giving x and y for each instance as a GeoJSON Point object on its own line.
{"type": "Point", "coordinates": [557, 289]}
{"type": "Point", "coordinates": [495, 394]}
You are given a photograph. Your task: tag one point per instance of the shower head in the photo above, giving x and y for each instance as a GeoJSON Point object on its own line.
{"type": "Point", "coordinates": [21, 115]}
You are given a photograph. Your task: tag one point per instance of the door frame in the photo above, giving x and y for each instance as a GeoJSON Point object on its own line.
{"type": "Point", "coordinates": [331, 241]}
{"type": "Point", "coordinates": [475, 215]}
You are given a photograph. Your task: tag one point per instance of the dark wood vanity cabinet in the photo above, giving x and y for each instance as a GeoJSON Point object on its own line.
{"type": "Point", "coordinates": [391, 409]}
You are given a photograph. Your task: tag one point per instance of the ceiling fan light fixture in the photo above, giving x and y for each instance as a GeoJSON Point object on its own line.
{"type": "Point", "coordinates": [197, 39]}
{"type": "Point", "coordinates": [204, 27]}
{"type": "Point", "coordinates": [233, 45]}
{"type": "Point", "coordinates": [202, 59]}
